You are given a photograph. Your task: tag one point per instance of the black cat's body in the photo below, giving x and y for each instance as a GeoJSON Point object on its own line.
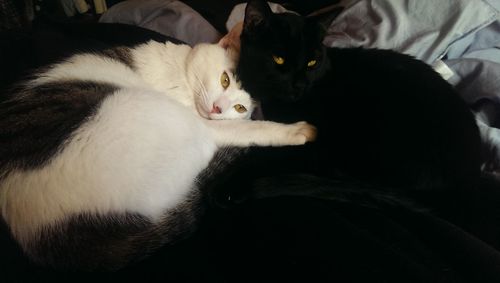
{"type": "Point", "coordinates": [382, 117]}
{"type": "Point", "coordinates": [386, 117]}
{"type": "Point", "coordinates": [393, 119]}
{"type": "Point", "coordinates": [400, 134]}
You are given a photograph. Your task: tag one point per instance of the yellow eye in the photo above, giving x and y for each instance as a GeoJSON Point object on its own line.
{"type": "Point", "coordinates": [240, 108]}
{"type": "Point", "coordinates": [278, 60]}
{"type": "Point", "coordinates": [224, 80]}
{"type": "Point", "coordinates": [311, 63]}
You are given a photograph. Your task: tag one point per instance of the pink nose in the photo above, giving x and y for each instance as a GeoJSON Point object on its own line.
{"type": "Point", "coordinates": [216, 109]}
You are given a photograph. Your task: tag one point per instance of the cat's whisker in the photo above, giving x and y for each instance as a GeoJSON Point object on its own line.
{"type": "Point", "coordinates": [202, 91]}
{"type": "Point", "coordinates": [200, 83]}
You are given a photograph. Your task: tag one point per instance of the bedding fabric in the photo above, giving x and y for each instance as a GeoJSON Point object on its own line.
{"type": "Point", "coordinates": [168, 17]}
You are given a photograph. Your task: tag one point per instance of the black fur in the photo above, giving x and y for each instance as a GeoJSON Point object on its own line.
{"type": "Point", "coordinates": [121, 54]}
{"type": "Point", "coordinates": [382, 117]}
{"type": "Point", "coordinates": [37, 121]}
{"type": "Point", "coordinates": [96, 242]}
{"type": "Point", "coordinates": [340, 191]}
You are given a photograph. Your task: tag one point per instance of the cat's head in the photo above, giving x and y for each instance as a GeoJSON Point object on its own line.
{"type": "Point", "coordinates": [281, 54]}
{"type": "Point", "coordinates": [218, 92]}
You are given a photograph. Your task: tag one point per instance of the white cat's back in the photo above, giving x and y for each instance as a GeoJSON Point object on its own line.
{"type": "Point", "coordinates": [93, 67]}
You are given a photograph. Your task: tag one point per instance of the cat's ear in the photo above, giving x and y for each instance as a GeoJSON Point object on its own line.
{"type": "Point", "coordinates": [324, 17]}
{"type": "Point", "coordinates": [231, 41]}
{"type": "Point", "coordinates": [257, 13]}
{"type": "Point", "coordinates": [315, 31]}
{"type": "Point", "coordinates": [319, 22]}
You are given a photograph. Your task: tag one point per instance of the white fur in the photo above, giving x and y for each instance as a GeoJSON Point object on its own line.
{"type": "Point", "coordinates": [90, 67]}
{"type": "Point", "coordinates": [179, 69]}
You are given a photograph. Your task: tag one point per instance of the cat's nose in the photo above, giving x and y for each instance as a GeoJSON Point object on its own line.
{"type": "Point", "coordinates": [216, 109]}
{"type": "Point", "coordinates": [300, 85]}
{"type": "Point", "coordinates": [220, 104]}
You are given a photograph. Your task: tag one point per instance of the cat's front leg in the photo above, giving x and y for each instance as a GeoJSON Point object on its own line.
{"type": "Point", "coordinates": [260, 133]}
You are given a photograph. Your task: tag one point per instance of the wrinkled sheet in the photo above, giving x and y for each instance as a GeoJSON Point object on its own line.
{"type": "Point", "coordinates": [168, 17]}
{"type": "Point", "coordinates": [423, 28]}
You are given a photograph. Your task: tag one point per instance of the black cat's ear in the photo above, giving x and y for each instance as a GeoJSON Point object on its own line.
{"type": "Point", "coordinates": [315, 31]}
{"type": "Point", "coordinates": [257, 13]}
{"type": "Point", "coordinates": [324, 17]}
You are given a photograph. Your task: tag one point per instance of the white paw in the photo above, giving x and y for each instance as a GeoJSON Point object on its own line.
{"type": "Point", "coordinates": [301, 132]}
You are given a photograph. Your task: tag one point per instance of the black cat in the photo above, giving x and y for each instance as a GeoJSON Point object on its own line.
{"type": "Point", "coordinates": [382, 117]}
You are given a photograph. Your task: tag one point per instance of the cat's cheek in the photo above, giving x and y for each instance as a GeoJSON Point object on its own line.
{"type": "Point", "coordinates": [202, 112]}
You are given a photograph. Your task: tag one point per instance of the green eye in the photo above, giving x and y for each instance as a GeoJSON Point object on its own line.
{"type": "Point", "coordinates": [224, 80]}
{"type": "Point", "coordinates": [240, 108]}
{"type": "Point", "coordinates": [278, 60]}
{"type": "Point", "coordinates": [311, 63]}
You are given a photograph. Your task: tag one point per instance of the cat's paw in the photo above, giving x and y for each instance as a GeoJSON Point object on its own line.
{"type": "Point", "coordinates": [302, 132]}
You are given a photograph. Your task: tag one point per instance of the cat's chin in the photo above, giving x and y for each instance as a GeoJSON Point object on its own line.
{"type": "Point", "coordinates": [208, 115]}
{"type": "Point", "coordinates": [215, 117]}
{"type": "Point", "coordinates": [211, 116]}
{"type": "Point", "coordinates": [204, 115]}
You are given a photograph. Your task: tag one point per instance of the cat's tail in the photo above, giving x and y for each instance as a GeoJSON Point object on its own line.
{"type": "Point", "coordinates": [476, 209]}
{"type": "Point", "coordinates": [337, 190]}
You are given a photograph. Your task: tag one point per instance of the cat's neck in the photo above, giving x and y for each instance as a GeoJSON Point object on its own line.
{"type": "Point", "coordinates": [163, 67]}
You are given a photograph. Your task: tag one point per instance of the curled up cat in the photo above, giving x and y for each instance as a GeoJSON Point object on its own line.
{"type": "Point", "coordinates": [101, 154]}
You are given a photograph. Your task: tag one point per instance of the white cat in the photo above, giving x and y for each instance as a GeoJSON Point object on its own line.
{"type": "Point", "coordinates": [100, 154]}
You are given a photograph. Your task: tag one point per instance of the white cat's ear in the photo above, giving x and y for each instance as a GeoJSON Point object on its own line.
{"type": "Point", "coordinates": [232, 39]}
{"type": "Point", "coordinates": [257, 12]}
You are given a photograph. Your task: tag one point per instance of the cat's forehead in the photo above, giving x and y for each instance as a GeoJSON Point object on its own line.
{"type": "Point", "coordinates": [213, 55]}
{"type": "Point", "coordinates": [291, 34]}
{"type": "Point", "coordinates": [286, 27]}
